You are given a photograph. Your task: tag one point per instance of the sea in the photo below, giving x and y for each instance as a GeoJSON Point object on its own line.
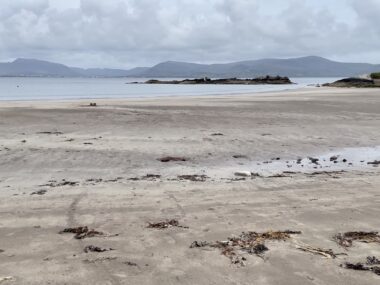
{"type": "Point", "coordinates": [27, 88]}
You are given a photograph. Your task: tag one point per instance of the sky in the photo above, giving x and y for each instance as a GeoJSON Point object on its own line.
{"type": "Point", "coordinates": [130, 33]}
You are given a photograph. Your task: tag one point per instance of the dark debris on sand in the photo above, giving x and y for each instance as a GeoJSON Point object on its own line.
{"type": "Point", "coordinates": [372, 260]}
{"type": "Point", "coordinates": [329, 173]}
{"type": "Point", "coordinates": [50, 133]}
{"type": "Point", "coordinates": [82, 232]}
{"type": "Point", "coordinates": [166, 224]}
{"type": "Point", "coordinates": [346, 239]}
{"type": "Point", "coordinates": [39, 192]}
{"type": "Point", "coordinates": [92, 248]}
{"type": "Point", "coordinates": [151, 177]}
{"type": "Point", "coordinates": [374, 163]}
{"type": "Point", "coordinates": [148, 177]}
{"type": "Point", "coordinates": [129, 263]}
{"type": "Point", "coordinates": [368, 266]}
{"type": "Point", "coordinates": [172, 158]}
{"type": "Point", "coordinates": [250, 242]}
{"type": "Point", "coordinates": [240, 156]}
{"type": "Point", "coordinates": [54, 183]}
{"type": "Point", "coordinates": [194, 177]}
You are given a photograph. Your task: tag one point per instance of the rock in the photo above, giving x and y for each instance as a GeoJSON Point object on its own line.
{"type": "Point", "coordinates": [352, 82]}
{"type": "Point", "coordinates": [243, 173]}
{"type": "Point", "coordinates": [334, 158]}
{"type": "Point", "coordinates": [314, 160]}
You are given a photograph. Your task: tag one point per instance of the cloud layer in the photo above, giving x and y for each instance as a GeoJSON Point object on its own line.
{"type": "Point", "coordinates": [126, 33]}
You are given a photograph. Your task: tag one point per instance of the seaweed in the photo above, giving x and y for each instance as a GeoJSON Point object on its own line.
{"type": "Point", "coordinates": [166, 224]}
{"type": "Point", "coordinates": [82, 232]}
{"type": "Point", "coordinates": [346, 239]}
{"type": "Point", "coordinates": [246, 242]}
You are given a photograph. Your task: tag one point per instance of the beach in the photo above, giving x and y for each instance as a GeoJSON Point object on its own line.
{"type": "Point", "coordinates": [125, 164]}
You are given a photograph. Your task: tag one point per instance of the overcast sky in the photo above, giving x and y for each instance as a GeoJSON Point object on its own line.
{"type": "Point", "coordinates": [129, 33]}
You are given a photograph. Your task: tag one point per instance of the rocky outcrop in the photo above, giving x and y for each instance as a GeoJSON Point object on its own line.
{"type": "Point", "coordinates": [352, 82]}
{"type": "Point", "coordinates": [254, 81]}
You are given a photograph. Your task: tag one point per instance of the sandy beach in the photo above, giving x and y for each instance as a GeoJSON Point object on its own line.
{"type": "Point", "coordinates": [123, 164]}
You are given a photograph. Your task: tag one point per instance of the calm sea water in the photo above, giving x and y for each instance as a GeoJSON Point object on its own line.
{"type": "Point", "coordinates": [19, 88]}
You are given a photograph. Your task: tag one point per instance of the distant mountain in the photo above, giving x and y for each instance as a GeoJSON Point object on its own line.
{"type": "Point", "coordinates": [39, 68]}
{"type": "Point", "coordinates": [311, 66]}
{"type": "Point", "coordinates": [34, 67]}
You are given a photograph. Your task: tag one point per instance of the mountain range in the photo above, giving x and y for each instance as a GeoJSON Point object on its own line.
{"type": "Point", "coordinates": [310, 66]}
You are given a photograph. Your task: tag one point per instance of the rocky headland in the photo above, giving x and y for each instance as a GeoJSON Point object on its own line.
{"type": "Point", "coordinates": [373, 81]}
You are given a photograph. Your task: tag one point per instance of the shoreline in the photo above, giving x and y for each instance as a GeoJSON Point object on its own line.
{"type": "Point", "coordinates": [218, 95]}
{"type": "Point", "coordinates": [320, 91]}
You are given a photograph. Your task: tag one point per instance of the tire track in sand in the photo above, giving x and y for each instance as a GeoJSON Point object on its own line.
{"type": "Point", "coordinates": [100, 270]}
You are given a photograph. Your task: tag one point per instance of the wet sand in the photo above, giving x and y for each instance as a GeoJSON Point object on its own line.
{"type": "Point", "coordinates": [65, 164]}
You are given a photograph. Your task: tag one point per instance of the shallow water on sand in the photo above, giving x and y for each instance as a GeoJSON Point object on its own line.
{"type": "Point", "coordinates": [360, 158]}
{"type": "Point", "coordinates": [346, 159]}
{"type": "Point", "coordinates": [22, 88]}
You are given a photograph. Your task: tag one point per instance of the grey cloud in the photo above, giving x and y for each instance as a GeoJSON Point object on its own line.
{"type": "Point", "coordinates": [125, 33]}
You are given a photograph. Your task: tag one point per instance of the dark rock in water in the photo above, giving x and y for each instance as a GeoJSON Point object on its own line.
{"type": "Point", "coordinates": [314, 160]}
{"type": "Point", "coordinates": [352, 82]}
{"type": "Point", "coordinates": [249, 81]}
{"type": "Point", "coordinates": [334, 158]}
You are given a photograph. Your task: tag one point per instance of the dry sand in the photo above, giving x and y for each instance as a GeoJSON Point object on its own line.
{"type": "Point", "coordinates": [119, 140]}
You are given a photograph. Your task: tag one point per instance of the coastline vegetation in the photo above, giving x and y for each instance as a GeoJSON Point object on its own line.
{"type": "Point", "coordinates": [375, 75]}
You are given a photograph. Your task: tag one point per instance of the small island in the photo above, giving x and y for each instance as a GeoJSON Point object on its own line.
{"type": "Point", "coordinates": [233, 81]}
{"type": "Point", "coordinates": [373, 81]}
